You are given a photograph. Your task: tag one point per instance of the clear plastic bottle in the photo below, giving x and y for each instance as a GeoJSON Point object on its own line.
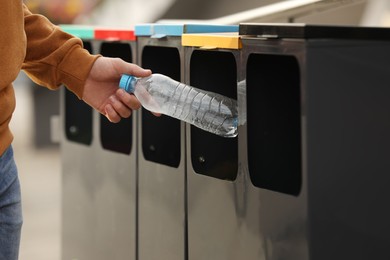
{"type": "Point", "coordinates": [209, 111]}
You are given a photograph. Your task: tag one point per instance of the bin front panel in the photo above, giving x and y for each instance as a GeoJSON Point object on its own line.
{"type": "Point", "coordinates": [348, 124]}
{"type": "Point", "coordinates": [212, 155]}
{"type": "Point", "coordinates": [222, 205]}
{"type": "Point", "coordinates": [274, 122]}
{"type": "Point", "coordinates": [78, 116]}
{"type": "Point", "coordinates": [161, 135]}
{"type": "Point", "coordinates": [161, 149]}
{"type": "Point", "coordinates": [117, 137]}
{"type": "Point", "coordinates": [345, 142]}
{"type": "Point", "coordinates": [99, 185]}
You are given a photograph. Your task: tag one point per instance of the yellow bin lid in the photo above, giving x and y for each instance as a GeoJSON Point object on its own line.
{"type": "Point", "coordinates": [212, 40]}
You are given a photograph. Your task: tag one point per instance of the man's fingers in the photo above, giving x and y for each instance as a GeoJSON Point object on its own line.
{"type": "Point", "coordinates": [132, 69]}
{"type": "Point", "coordinates": [111, 114]}
{"type": "Point", "coordinates": [121, 109]}
{"type": "Point", "coordinates": [129, 100]}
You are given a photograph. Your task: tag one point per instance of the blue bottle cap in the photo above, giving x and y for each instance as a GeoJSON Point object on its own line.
{"type": "Point", "coordinates": [126, 83]}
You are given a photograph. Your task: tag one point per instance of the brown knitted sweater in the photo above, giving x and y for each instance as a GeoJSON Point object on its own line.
{"type": "Point", "coordinates": [49, 57]}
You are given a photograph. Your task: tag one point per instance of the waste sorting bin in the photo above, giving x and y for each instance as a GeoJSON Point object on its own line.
{"type": "Point", "coordinates": [78, 115]}
{"type": "Point", "coordinates": [317, 101]}
{"type": "Point", "coordinates": [99, 166]}
{"type": "Point", "coordinates": [161, 150]}
{"type": "Point", "coordinates": [223, 207]}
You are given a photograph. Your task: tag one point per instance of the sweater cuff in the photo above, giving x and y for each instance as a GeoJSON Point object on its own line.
{"type": "Point", "coordinates": [75, 68]}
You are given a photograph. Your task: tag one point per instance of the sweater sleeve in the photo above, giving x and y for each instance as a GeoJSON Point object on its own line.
{"type": "Point", "coordinates": [54, 57]}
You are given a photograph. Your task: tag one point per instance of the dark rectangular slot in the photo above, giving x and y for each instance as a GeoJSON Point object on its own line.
{"type": "Point", "coordinates": [117, 137]}
{"type": "Point", "coordinates": [161, 135]}
{"type": "Point", "coordinates": [213, 155]}
{"type": "Point", "coordinates": [274, 122]}
{"type": "Point", "coordinates": [78, 116]}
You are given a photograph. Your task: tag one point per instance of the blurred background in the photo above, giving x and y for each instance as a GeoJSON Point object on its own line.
{"type": "Point", "coordinates": [38, 157]}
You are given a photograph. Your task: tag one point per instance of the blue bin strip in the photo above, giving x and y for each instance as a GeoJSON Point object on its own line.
{"type": "Point", "coordinates": [207, 28]}
{"type": "Point", "coordinates": [143, 30]}
{"type": "Point", "coordinates": [168, 29]}
{"type": "Point", "coordinates": [161, 30]}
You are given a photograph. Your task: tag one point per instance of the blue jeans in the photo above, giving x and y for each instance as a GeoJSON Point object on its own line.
{"type": "Point", "coordinates": [10, 207]}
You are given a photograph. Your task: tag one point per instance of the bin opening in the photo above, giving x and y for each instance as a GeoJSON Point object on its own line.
{"type": "Point", "coordinates": [161, 135]}
{"type": "Point", "coordinates": [117, 137]}
{"type": "Point", "coordinates": [78, 115]}
{"type": "Point", "coordinates": [274, 122]}
{"type": "Point", "coordinates": [213, 155]}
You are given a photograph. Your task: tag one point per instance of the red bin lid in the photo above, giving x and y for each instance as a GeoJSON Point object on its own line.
{"type": "Point", "coordinates": [114, 34]}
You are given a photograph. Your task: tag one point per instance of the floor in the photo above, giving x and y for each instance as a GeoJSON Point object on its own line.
{"type": "Point", "coordinates": [40, 177]}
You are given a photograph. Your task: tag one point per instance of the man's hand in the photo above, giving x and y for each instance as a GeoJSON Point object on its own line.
{"type": "Point", "coordinates": [101, 89]}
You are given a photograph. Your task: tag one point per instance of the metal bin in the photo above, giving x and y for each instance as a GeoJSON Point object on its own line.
{"type": "Point", "coordinates": [317, 139]}
{"type": "Point", "coordinates": [223, 206]}
{"type": "Point", "coordinates": [99, 166]}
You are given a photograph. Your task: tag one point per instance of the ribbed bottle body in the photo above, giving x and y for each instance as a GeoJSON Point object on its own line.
{"type": "Point", "coordinates": [209, 111]}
